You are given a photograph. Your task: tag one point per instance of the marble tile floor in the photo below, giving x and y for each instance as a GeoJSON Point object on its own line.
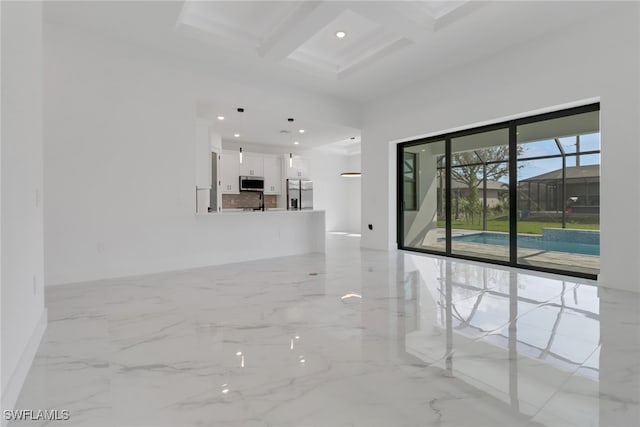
{"type": "Point", "coordinates": [347, 338]}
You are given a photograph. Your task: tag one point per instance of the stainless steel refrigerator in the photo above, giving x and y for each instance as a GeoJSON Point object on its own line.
{"type": "Point", "coordinates": [299, 194]}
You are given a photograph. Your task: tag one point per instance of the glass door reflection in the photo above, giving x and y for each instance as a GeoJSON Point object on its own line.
{"type": "Point", "coordinates": [423, 203]}
{"type": "Point", "coordinates": [480, 195]}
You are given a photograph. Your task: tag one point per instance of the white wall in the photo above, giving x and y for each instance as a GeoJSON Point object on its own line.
{"type": "Point", "coordinates": [330, 191]}
{"type": "Point", "coordinates": [1, 92]}
{"type": "Point", "coordinates": [598, 59]}
{"type": "Point", "coordinates": [338, 196]}
{"type": "Point", "coordinates": [354, 194]}
{"type": "Point", "coordinates": [23, 314]}
{"type": "Point", "coordinates": [119, 126]}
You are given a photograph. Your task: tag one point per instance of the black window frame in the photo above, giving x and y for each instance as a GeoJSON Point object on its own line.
{"type": "Point", "coordinates": [511, 125]}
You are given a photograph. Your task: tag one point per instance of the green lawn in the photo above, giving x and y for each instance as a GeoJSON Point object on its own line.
{"type": "Point", "coordinates": [529, 227]}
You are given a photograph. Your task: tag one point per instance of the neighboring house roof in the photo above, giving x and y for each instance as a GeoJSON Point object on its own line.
{"type": "Point", "coordinates": [588, 172]}
{"type": "Point", "coordinates": [491, 185]}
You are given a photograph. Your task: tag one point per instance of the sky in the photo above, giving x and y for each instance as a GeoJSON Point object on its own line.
{"type": "Point", "coordinates": [532, 168]}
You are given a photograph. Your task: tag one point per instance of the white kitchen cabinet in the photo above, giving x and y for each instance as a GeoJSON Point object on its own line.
{"type": "Point", "coordinates": [252, 165]}
{"type": "Point", "coordinates": [299, 168]}
{"type": "Point", "coordinates": [272, 175]}
{"type": "Point", "coordinates": [229, 172]}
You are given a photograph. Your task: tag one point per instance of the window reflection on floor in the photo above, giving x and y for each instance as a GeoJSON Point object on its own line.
{"type": "Point", "coordinates": [516, 336]}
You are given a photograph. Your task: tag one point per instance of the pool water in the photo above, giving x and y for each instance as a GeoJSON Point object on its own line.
{"type": "Point", "coordinates": [530, 242]}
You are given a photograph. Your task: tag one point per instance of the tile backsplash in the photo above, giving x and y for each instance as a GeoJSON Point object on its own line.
{"type": "Point", "coordinates": [248, 199]}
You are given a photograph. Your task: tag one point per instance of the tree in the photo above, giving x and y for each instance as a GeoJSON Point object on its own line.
{"type": "Point", "coordinates": [470, 167]}
{"type": "Point", "coordinates": [471, 174]}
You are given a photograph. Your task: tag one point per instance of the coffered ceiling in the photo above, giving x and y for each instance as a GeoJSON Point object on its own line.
{"type": "Point", "coordinates": [303, 34]}
{"type": "Point", "coordinates": [281, 46]}
{"type": "Point", "coordinates": [389, 45]}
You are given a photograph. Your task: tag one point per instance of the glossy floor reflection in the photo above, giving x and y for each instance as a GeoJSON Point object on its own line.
{"type": "Point", "coordinates": [355, 337]}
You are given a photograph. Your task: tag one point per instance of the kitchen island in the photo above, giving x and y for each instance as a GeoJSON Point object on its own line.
{"type": "Point", "coordinates": [235, 236]}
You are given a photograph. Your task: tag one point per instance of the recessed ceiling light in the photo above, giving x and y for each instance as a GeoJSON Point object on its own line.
{"type": "Point", "coordinates": [301, 131]}
{"type": "Point", "coordinates": [341, 34]}
{"type": "Point", "coordinates": [237, 135]}
{"type": "Point", "coordinates": [295, 143]}
{"type": "Point", "coordinates": [220, 117]}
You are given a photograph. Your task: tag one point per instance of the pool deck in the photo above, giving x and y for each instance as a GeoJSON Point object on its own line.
{"type": "Point", "coordinates": [588, 264]}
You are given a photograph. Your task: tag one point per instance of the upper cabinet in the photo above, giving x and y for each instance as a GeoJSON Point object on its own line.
{"type": "Point", "coordinates": [272, 175]}
{"type": "Point", "coordinates": [252, 165]}
{"type": "Point", "coordinates": [267, 166]}
{"type": "Point", "coordinates": [229, 172]}
{"type": "Point", "coordinates": [297, 169]}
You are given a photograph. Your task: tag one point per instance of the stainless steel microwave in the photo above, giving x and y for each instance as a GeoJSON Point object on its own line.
{"type": "Point", "coordinates": [251, 183]}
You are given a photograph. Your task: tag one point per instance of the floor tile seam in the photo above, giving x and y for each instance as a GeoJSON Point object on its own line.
{"type": "Point", "coordinates": [571, 375]}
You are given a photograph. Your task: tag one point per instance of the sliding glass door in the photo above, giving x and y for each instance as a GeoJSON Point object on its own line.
{"type": "Point", "coordinates": [480, 187]}
{"type": "Point", "coordinates": [523, 193]}
{"type": "Point", "coordinates": [559, 193]}
{"type": "Point", "coordinates": [423, 203]}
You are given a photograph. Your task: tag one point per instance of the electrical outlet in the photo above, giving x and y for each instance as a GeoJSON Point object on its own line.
{"type": "Point", "coordinates": [35, 284]}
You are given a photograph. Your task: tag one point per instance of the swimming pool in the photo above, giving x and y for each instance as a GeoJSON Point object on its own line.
{"type": "Point", "coordinates": [530, 242]}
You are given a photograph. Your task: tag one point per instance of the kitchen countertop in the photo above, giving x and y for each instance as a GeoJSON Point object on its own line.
{"type": "Point", "coordinates": [268, 211]}
{"type": "Point", "coordinates": [250, 209]}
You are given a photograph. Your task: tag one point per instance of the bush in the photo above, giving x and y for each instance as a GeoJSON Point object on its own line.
{"type": "Point", "coordinates": [571, 218]}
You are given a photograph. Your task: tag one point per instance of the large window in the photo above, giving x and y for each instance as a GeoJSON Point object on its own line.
{"type": "Point", "coordinates": [523, 193]}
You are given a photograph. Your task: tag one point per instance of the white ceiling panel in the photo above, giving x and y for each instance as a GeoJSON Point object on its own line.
{"type": "Point", "coordinates": [438, 8]}
{"type": "Point", "coordinates": [266, 126]}
{"type": "Point", "coordinates": [364, 38]}
{"type": "Point", "coordinates": [236, 21]}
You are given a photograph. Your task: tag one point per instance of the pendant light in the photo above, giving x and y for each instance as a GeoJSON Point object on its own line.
{"type": "Point", "coordinates": [240, 110]}
{"type": "Point", "coordinates": [290, 120]}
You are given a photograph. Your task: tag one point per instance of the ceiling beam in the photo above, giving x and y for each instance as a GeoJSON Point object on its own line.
{"type": "Point", "coordinates": [365, 61]}
{"type": "Point", "coordinates": [299, 26]}
{"type": "Point", "coordinates": [458, 14]}
{"type": "Point", "coordinates": [401, 17]}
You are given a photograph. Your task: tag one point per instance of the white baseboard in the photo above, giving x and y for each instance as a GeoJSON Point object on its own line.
{"type": "Point", "coordinates": [12, 390]}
